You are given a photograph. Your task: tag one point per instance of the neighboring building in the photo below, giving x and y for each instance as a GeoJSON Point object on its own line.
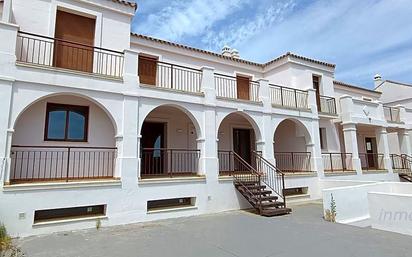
{"type": "Point", "coordinates": [99, 123]}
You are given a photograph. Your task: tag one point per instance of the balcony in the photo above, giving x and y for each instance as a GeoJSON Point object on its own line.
{"type": "Point", "coordinates": [30, 164]}
{"type": "Point", "coordinates": [392, 114]}
{"type": "Point", "coordinates": [293, 162]}
{"type": "Point", "coordinates": [239, 87]}
{"type": "Point", "coordinates": [288, 97]}
{"type": "Point", "coordinates": [326, 105]}
{"type": "Point", "coordinates": [166, 162]}
{"type": "Point", "coordinates": [154, 73]}
{"type": "Point", "coordinates": [337, 162]}
{"type": "Point", "coordinates": [42, 51]}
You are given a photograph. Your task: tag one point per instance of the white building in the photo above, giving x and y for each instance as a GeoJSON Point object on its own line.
{"type": "Point", "coordinates": [101, 124]}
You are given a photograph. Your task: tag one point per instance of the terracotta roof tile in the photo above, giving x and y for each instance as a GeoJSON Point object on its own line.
{"type": "Point", "coordinates": [262, 65]}
{"type": "Point", "coordinates": [340, 83]}
{"type": "Point", "coordinates": [125, 2]}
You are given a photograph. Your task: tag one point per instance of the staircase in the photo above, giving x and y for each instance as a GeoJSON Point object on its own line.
{"type": "Point", "coordinates": [402, 163]}
{"type": "Point", "coordinates": [261, 184]}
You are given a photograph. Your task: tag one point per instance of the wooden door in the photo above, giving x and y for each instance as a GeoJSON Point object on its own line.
{"type": "Point", "coordinates": [147, 70]}
{"type": "Point", "coordinates": [242, 143]}
{"type": "Point", "coordinates": [243, 87]}
{"type": "Point", "coordinates": [74, 42]}
{"type": "Point", "coordinates": [316, 86]}
{"type": "Point", "coordinates": [371, 150]}
{"type": "Point", "coordinates": [152, 144]}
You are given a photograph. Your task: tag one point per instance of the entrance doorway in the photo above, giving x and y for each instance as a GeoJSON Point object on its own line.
{"type": "Point", "coordinates": [242, 143]}
{"type": "Point", "coordinates": [153, 142]}
{"type": "Point", "coordinates": [371, 152]}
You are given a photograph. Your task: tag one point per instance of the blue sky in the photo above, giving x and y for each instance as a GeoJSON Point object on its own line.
{"type": "Point", "coordinates": [362, 37]}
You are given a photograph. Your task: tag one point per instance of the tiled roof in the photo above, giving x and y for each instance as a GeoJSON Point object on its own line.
{"type": "Point", "coordinates": [262, 65]}
{"type": "Point", "coordinates": [340, 83]}
{"type": "Point", "coordinates": [125, 2]}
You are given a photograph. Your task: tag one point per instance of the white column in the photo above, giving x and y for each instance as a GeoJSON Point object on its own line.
{"type": "Point", "coordinates": [315, 150]}
{"type": "Point", "coordinates": [7, 11]}
{"type": "Point", "coordinates": [266, 143]}
{"type": "Point", "coordinates": [383, 147]}
{"type": "Point", "coordinates": [405, 142]}
{"type": "Point", "coordinates": [130, 76]}
{"type": "Point", "coordinates": [209, 163]}
{"type": "Point", "coordinates": [128, 143]}
{"type": "Point", "coordinates": [351, 145]}
{"type": "Point", "coordinates": [312, 104]}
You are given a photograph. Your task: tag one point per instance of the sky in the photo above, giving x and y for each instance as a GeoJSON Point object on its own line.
{"type": "Point", "coordinates": [362, 37]}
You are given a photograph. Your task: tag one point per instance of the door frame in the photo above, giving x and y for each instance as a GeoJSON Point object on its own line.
{"type": "Point", "coordinates": [251, 135]}
{"type": "Point", "coordinates": [373, 153]}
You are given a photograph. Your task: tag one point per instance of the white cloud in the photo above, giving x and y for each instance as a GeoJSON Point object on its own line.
{"type": "Point", "coordinates": [183, 18]}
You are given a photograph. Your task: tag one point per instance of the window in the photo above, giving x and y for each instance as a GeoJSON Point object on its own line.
{"type": "Point", "coordinates": [322, 134]}
{"type": "Point", "coordinates": [316, 86]}
{"type": "Point", "coordinates": [170, 203]}
{"type": "Point", "coordinates": [69, 213]}
{"type": "Point", "coordinates": [66, 122]}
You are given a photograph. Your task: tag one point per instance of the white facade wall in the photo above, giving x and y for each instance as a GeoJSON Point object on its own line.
{"type": "Point", "coordinates": [119, 107]}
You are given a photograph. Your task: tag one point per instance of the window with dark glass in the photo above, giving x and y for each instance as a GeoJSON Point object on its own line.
{"type": "Point", "coordinates": [66, 122]}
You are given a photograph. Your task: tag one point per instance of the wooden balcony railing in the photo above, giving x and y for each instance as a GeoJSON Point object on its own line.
{"type": "Point", "coordinates": [392, 114]}
{"type": "Point", "coordinates": [372, 161]}
{"type": "Point", "coordinates": [60, 163]}
{"type": "Point", "coordinates": [53, 52]}
{"type": "Point", "coordinates": [337, 162]}
{"type": "Point", "coordinates": [293, 161]}
{"type": "Point", "coordinates": [288, 97]}
{"type": "Point", "coordinates": [169, 75]}
{"type": "Point", "coordinates": [167, 162]}
{"type": "Point", "coordinates": [327, 105]}
{"type": "Point", "coordinates": [227, 87]}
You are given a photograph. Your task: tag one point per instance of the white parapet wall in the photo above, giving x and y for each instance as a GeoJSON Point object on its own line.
{"type": "Point", "coordinates": [382, 205]}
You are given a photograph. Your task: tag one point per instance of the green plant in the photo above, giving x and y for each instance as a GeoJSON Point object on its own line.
{"type": "Point", "coordinates": [330, 214]}
{"type": "Point", "coordinates": [7, 248]}
{"type": "Point", "coordinates": [98, 224]}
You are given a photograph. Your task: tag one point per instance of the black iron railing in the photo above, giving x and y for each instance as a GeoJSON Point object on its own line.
{"type": "Point", "coordinates": [170, 76]}
{"type": "Point", "coordinates": [401, 162]}
{"type": "Point", "coordinates": [48, 163]}
{"type": "Point", "coordinates": [293, 161]}
{"type": "Point", "coordinates": [271, 176]}
{"type": "Point", "coordinates": [227, 87]}
{"type": "Point", "coordinates": [158, 162]}
{"type": "Point", "coordinates": [392, 114]}
{"type": "Point", "coordinates": [337, 162]}
{"type": "Point", "coordinates": [327, 105]}
{"type": "Point", "coordinates": [53, 52]}
{"type": "Point", "coordinates": [288, 97]}
{"type": "Point", "coordinates": [372, 161]}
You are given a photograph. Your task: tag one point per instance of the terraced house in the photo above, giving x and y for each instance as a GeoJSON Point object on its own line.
{"type": "Point", "coordinates": [98, 123]}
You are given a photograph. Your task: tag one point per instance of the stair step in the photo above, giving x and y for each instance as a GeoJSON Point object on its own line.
{"type": "Point", "coordinates": [255, 187]}
{"type": "Point", "coordinates": [272, 204]}
{"type": "Point", "coordinates": [269, 212]}
{"type": "Point", "coordinates": [265, 198]}
{"type": "Point", "coordinates": [255, 192]}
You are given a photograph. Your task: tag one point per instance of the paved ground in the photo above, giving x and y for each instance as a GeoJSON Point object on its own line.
{"type": "Point", "coordinates": [239, 233]}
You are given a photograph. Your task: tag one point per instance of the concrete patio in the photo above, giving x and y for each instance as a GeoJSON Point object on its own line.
{"type": "Point", "coordinates": [237, 233]}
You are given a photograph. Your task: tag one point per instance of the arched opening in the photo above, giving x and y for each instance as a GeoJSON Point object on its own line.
{"type": "Point", "coordinates": [63, 137]}
{"type": "Point", "coordinates": [292, 147]}
{"type": "Point", "coordinates": [237, 133]}
{"type": "Point", "coordinates": [169, 143]}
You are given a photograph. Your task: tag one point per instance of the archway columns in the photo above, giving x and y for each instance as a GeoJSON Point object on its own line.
{"type": "Point", "coordinates": [6, 88]}
{"type": "Point", "coordinates": [405, 141]}
{"type": "Point", "coordinates": [351, 145]}
{"type": "Point", "coordinates": [128, 143]}
{"type": "Point", "coordinates": [209, 162]}
{"type": "Point", "coordinates": [383, 147]}
{"type": "Point", "coordinates": [315, 150]}
{"type": "Point", "coordinates": [266, 144]}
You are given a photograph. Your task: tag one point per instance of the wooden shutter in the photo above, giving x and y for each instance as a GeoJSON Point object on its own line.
{"type": "Point", "coordinates": [147, 70]}
{"type": "Point", "coordinates": [243, 84]}
{"type": "Point", "coordinates": [76, 29]}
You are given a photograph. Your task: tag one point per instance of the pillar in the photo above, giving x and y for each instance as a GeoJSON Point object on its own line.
{"type": "Point", "coordinates": [351, 145]}
{"type": "Point", "coordinates": [209, 163]}
{"type": "Point", "coordinates": [383, 147]}
{"type": "Point", "coordinates": [266, 143]}
{"type": "Point", "coordinates": [405, 142]}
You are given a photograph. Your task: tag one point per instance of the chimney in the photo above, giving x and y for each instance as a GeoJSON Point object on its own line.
{"type": "Point", "coordinates": [378, 80]}
{"type": "Point", "coordinates": [226, 51]}
{"type": "Point", "coordinates": [235, 54]}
